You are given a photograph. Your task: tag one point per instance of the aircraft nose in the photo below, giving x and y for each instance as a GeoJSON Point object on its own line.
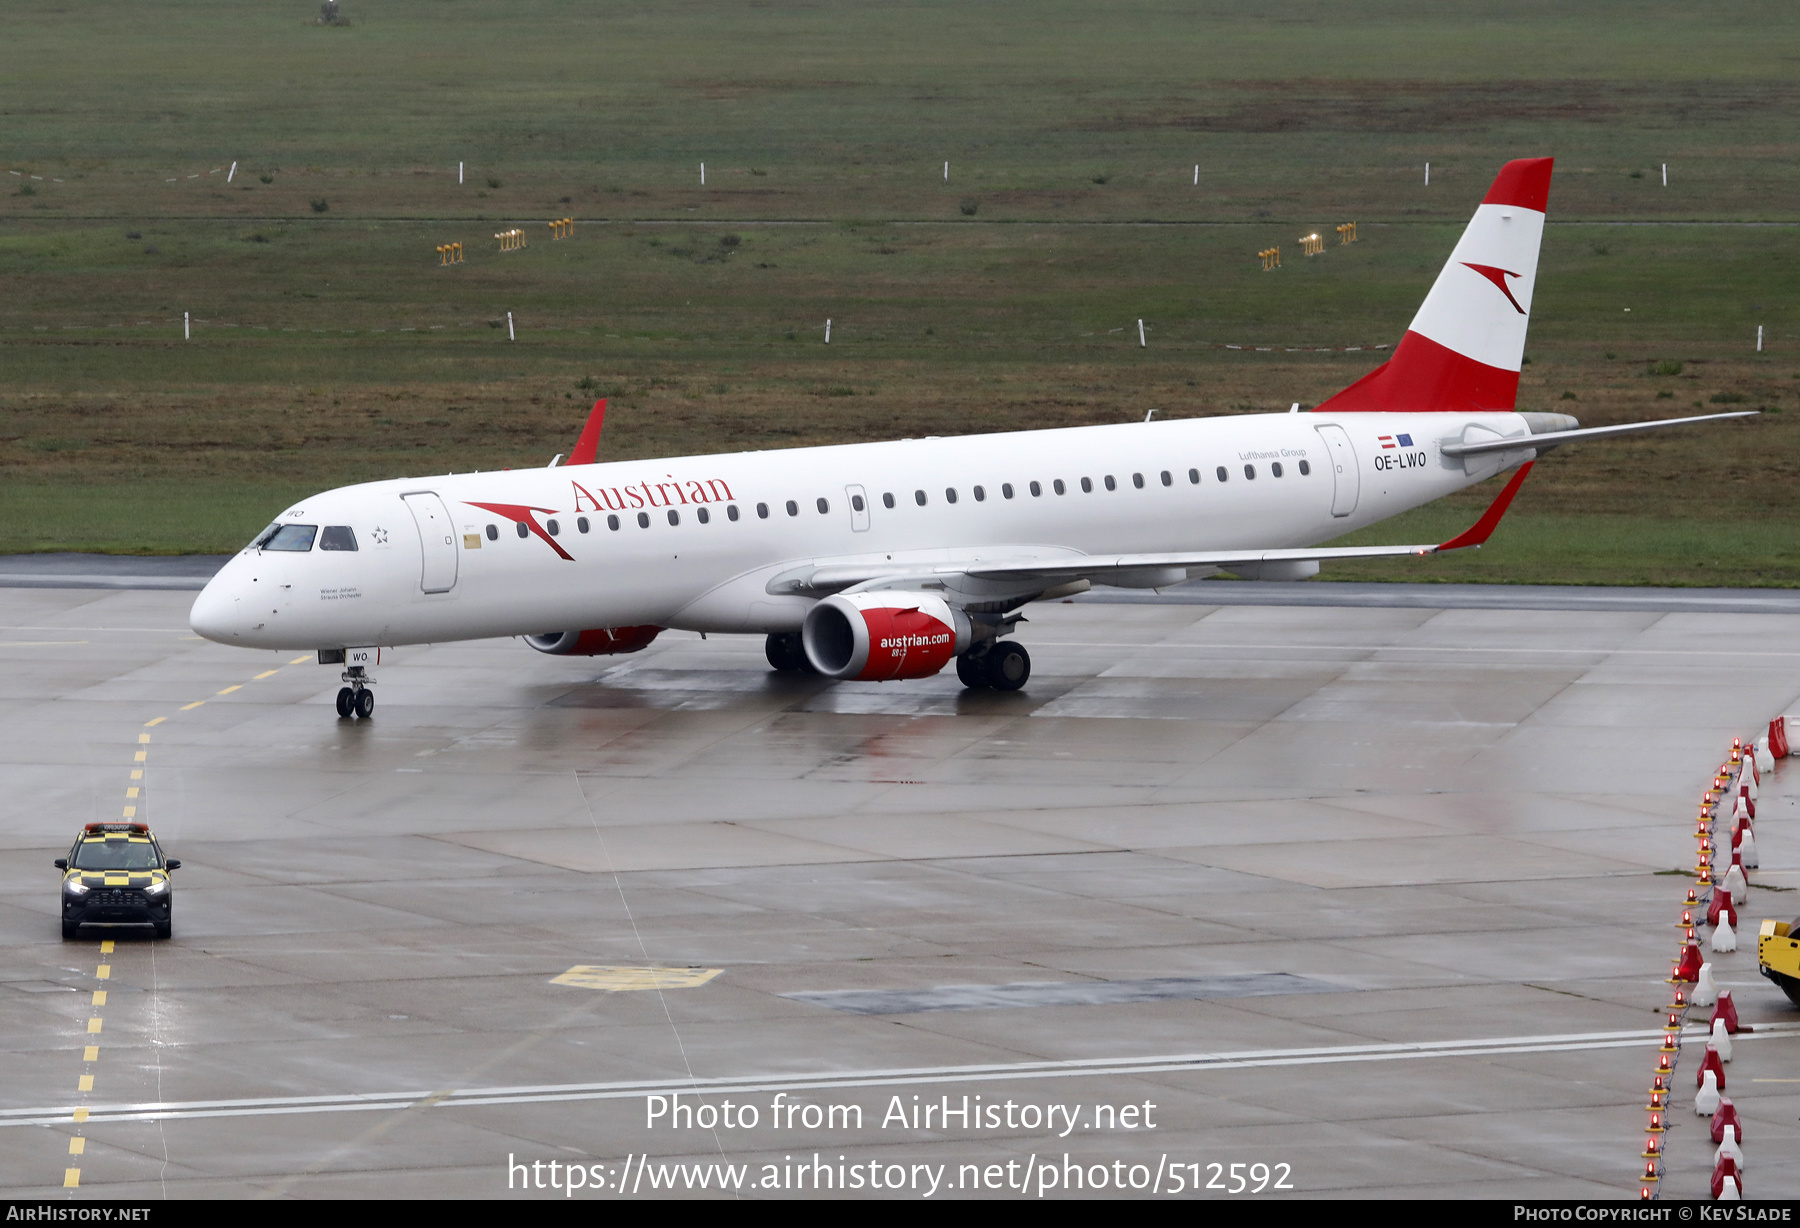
{"type": "Point", "coordinates": [217, 613]}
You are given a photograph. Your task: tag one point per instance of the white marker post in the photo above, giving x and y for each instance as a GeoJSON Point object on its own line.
{"type": "Point", "coordinates": [1665, 174]}
{"type": "Point", "coordinates": [1196, 174]}
{"type": "Point", "coordinates": [187, 328]}
{"type": "Point", "coordinates": [946, 172]}
{"type": "Point", "coordinates": [459, 169]}
{"type": "Point", "coordinates": [828, 330]}
{"type": "Point", "coordinates": [1428, 174]}
{"type": "Point", "coordinates": [1141, 335]}
{"type": "Point", "coordinates": [233, 174]}
{"type": "Point", "coordinates": [703, 174]}
{"type": "Point", "coordinates": [510, 336]}
{"type": "Point", "coordinates": [1759, 329]}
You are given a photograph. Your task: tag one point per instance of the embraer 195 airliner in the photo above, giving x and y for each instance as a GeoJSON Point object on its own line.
{"type": "Point", "coordinates": [884, 561]}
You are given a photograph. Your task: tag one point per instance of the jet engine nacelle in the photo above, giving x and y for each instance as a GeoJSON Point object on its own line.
{"type": "Point", "coordinates": [599, 642]}
{"type": "Point", "coordinates": [876, 637]}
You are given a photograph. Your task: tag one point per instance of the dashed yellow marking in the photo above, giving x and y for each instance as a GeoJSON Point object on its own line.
{"type": "Point", "coordinates": [77, 1146]}
{"type": "Point", "coordinates": [106, 948]}
{"type": "Point", "coordinates": [131, 791]}
{"type": "Point", "coordinates": [300, 660]}
{"type": "Point", "coordinates": [137, 773]}
{"type": "Point", "coordinates": [192, 706]}
{"type": "Point", "coordinates": [80, 1114]}
{"type": "Point", "coordinates": [91, 1053]}
{"type": "Point", "coordinates": [143, 737]}
{"type": "Point", "coordinates": [130, 812]}
{"type": "Point", "coordinates": [87, 1083]}
{"type": "Point", "coordinates": [103, 972]}
{"type": "Point", "coordinates": [267, 673]}
{"type": "Point", "coordinates": [618, 980]}
{"type": "Point", "coordinates": [94, 1027]}
{"type": "Point", "coordinates": [153, 724]}
{"type": "Point", "coordinates": [99, 997]}
{"type": "Point", "coordinates": [140, 756]}
{"type": "Point", "coordinates": [228, 690]}
{"type": "Point", "coordinates": [71, 1178]}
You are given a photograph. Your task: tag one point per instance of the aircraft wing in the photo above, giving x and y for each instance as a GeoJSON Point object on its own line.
{"type": "Point", "coordinates": [1142, 570]}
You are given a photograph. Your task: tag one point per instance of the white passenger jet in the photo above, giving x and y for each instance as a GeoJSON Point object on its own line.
{"type": "Point", "coordinates": [886, 560]}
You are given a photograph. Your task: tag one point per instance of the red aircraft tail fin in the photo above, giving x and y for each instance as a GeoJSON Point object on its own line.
{"type": "Point", "coordinates": [588, 446]}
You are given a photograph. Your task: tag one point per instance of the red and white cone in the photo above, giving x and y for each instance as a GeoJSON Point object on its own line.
{"type": "Point", "coordinates": [1725, 1115]}
{"type": "Point", "coordinates": [1728, 1146]}
{"type": "Point", "coordinates": [1720, 906]}
{"type": "Point", "coordinates": [1727, 1184]}
{"type": "Point", "coordinates": [1720, 1040]}
{"type": "Point", "coordinates": [1724, 938]}
{"type": "Point", "coordinates": [1706, 1100]}
{"type": "Point", "coordinates": [1706, 990]}
{"type": "Point", "coordinates": [1736, 883]}
{"type": "Point", "coordinates": [1726, 1009]}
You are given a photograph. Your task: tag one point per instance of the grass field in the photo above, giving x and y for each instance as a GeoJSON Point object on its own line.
{"type": "Point", "coordinates": [328, 346]}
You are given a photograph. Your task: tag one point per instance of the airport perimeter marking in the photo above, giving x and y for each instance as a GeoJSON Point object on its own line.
{"type": "Point", "coordinates": [90, 1054]}
{"type": "Point", "coordinates": [366, 1102]}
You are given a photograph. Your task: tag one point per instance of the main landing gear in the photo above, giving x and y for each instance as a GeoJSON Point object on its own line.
{"type": "Point", "coordinates": [786, 654]}
{"type": "Point", "coordinates": [1005, 666]}
{"type": "Point", "coordinates": [356, 699]}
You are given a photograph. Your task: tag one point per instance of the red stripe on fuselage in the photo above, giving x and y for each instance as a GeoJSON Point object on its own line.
{"type": "Point", "coordinates": [1425, 377]}
{"type": "Point", "coordinates": [521, 514]}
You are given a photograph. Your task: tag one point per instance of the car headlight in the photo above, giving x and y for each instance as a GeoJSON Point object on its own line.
{"type": "Point", "coordinates": [160, 887]}
{"type": "Point", "coordinates": [75, 886]}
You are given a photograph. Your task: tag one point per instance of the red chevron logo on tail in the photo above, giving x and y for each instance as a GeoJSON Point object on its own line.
{"type": "Point", "coordinates": [1498, 277]}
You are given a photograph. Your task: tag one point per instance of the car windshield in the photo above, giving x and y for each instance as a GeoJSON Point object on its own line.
{"type": "Point", "coordinates": [116, 854]}
{"type": "Point", "coordinates": [295, 537]}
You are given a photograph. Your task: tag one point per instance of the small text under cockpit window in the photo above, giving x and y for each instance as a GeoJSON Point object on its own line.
{"type": "Point", "coordinates": [295, 537]}
{"type": "Point", "coordinates": [337, 537]}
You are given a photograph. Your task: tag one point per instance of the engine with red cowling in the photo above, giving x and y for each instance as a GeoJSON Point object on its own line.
{"type": "Point", "coordinates": [879, 637]}
{"type": "Point", "coordinates": [598, 642]}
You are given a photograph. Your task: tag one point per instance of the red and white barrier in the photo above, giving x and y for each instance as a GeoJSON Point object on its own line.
{"type": "Point", "coordinates": [1720, 1040]}
{"type": "Point", "coordinates": [1706, 990]}
{"type": "Point", "coordinates": [1728, 1146]}
{"type": "Point", "coordinates": [1726, 1010]}
{"type": "Point", "coordinates": [1724, 937]}
{"type": "Point", "coordinates": [1710, 1064]}
{"type": "Point", "coordinates": [1706, 1100]}
{"type": "Point", "coordinates": [1727, 1186]}
{"type": "Point", "coordinates": [1725, 1115]}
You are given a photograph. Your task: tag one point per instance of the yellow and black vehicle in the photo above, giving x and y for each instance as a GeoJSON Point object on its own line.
{"type": "Point", "coordinates": [116, 877]}
{"type": "Point", "coordinates": [1778, 956]}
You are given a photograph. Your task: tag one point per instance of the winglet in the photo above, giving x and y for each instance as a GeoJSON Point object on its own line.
{"type": "Point", "coordinates": [1482, 529]}
{"type": "Point", "coordinates": [588, 446]}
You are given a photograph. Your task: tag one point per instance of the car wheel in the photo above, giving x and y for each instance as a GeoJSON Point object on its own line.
{"type": "Point", "coordinates": [71, 930]}
{"type": "Point", "coordinates": [165, 929]}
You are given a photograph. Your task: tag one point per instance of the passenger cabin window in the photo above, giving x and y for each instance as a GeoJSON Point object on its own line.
{"type": "Point", "coordinates": [554, 526]}
{"type": "Point", "coordinates": [1224, 474]}
{"type": "Point", "coordinates": [643, 520]}
{"type": "Point", "coordinates": [1110, 484]}
{"type": "Point", "coordinates": [1006, 490]}
{"type": "Point", "coordinates": [1168, 479]}
{"type": "Point", "coordinates": [856, 503]}
{"type": "Point", "coordinates": [493, 532]}
{"type": "Point", "coordinates": [731, 511]}
{"type": "Point", "coordinates": [919, 497]}
{"type": "Point", "coordinates": [1305, 468]}
{"type": "Point", "coordinates": [1275, 468]}
{"type": "Point", "coordinates": [949, 494]}
{"type": "Point", "coordinates": [1137, 480]}
{"type": "Point", "coordinates": [337, 537]}
{"type": "Point", "coordinates": [612, 522]}
{"type": "Point", "coordinates": [1249, 473]}
{"type": "Point", "coordinates": [1194, 477]}
{"type": "Point", "coordinates": [520, 526]}
{"type": "Point", "coordinates": [704, 516]}
{"type": "Point", "coordinates": [887, 500]}
{"type": "Point", "coordinates": [1036, 490]}
{"type": "Point", "coordinates": [581, 524]}
{"type": "Point", "coordinates": [1087, 486]}
{"type": "Point", "coordinates": [762, 511]}
{"type": "Point", "coordinates": [793, 509]}
{"type": "Point", "coordinates": [1058, 487]}
{"type": "Point", "coordinates": [294, 537]}
{"type": "Point", "coordinates": [674, 516]}
{"type": "Point", "coordinates": [824, 507]}
{"type": "Point", "coordinates": [980, 495]}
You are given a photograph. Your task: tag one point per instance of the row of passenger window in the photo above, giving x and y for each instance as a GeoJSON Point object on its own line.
{"type": "Point", "coordinates": [792, 507]}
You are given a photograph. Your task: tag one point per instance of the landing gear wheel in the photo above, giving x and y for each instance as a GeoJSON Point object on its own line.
{"type": "Point", "coordinates": [972, 672]}
{"type": "Point", "coordinates": [346, 701]}
{"type": "Point", "coordinates": [786, 654]}
{"type": "Point", "coordinates": [365, 703]}
{"type": "Point", "coordinates": [71, 930]}
{"type": "Point", "coordinates": [1008, 666]}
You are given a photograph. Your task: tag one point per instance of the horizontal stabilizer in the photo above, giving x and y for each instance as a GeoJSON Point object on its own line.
{"type": "Point", "coordinates": [1552, 439]}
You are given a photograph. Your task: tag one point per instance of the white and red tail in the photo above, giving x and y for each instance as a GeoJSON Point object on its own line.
{"type": "Point", "coordinates": [1463, 351]}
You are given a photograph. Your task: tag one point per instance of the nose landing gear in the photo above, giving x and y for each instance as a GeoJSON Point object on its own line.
{"type": "Point", "coordinates": [356, 699]}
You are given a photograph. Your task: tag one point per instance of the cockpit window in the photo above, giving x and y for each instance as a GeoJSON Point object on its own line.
{"type": "Point", "coordinates": [295, 537]}
{"type": "Point", "coordinates": [116, 854]}
{"type": "Point", "coordinates": [337, 537]}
